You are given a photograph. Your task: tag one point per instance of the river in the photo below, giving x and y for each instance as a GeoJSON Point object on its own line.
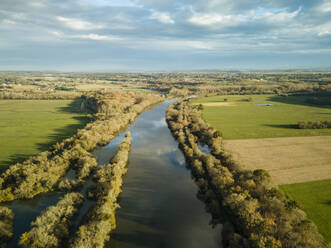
{"type": "Point", "coordinates": [159, 206]}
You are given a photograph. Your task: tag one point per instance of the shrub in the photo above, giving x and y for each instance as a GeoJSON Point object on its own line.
{"type": "Point", "coordinates": [52, 227]}
{"type": "Point", "coordinates": [314, 125]}
{"type": "Point", "coordinates": [6, 226]}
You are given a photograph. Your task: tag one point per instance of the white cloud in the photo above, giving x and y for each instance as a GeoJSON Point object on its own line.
{"type": "Point", "coordinates": [114, 3]}
{"type": "Point", "coordinates": [324, 29]}
{"type": "Point", "coordinates": [174, 44]}
{"type": "Point", "coordinates": [8, 22]}
{"type": "Point", "coordinates": [162, 17]}
{"type": "Point", "coordinates": [212, 19]}
{"type": "Point", "coordinates": [78, 24]}
{"type": "Point", "coordinates": [202, 45]}
{"type": "Point", "coordinates": [14, 15]}
{"type": "Point", "coordinates": [98, 37]}
{"type": "Point", "coordinates": [325, 7]}
{"type": "Point", "coordinates": [272, 17]}
{"type": "Point", "coordinates": [56, 33]}
{"type": "Point", "coordinates": [37, 4]}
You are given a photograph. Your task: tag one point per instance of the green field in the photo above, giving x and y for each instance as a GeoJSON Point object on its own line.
{"type": "Point", "coordinates": [239, 119]}
{"type": "Point", "coordinates": [315, 198]}
{"type": "Point", "coordinates": [30, 126]}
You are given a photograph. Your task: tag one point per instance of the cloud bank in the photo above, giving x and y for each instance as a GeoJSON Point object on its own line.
{"type": "Point", "coordinates": [140, 35]}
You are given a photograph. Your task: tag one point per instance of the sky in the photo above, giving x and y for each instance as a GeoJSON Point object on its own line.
{"type": "Point", "coordinates": [164, 35]}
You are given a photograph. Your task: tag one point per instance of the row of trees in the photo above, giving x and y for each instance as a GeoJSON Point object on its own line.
{"type": "Point", "coordinates": [52, 227]}
{"type": "Point", "coordinates": [254, 212]}
{"type": "Point", "coordinates": [314, 124]}
{"type": "Point", "coordinates": [101, 218]}
{"type": "Point", "coordinates": [38, 95]}
{"type": "Point", "coordinates": [41, 173]}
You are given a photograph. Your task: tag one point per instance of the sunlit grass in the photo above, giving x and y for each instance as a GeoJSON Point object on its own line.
{"type": "Point", "coordinates": [241, 119]}
{"type": "Point", "coordinates": [30, 126]}
{"type": "Point", "coordinates": [315, 198]}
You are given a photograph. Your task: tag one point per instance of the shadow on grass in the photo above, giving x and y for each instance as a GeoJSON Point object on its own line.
{"type": "Point", "coordinates": [74, 107]}
{"type": "Point", "coordinates": [57, 135]}
{"type": "Point", "coordinates": [287, 126]}
{"type": "Point", "coordinates": [244, 100]}
{"type": "Point", "coordinates": [60, 134]}
{"type": "Point", "coordinates": [306, 100]}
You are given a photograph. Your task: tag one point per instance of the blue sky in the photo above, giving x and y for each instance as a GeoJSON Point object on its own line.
{"type": "Point", "coordinates": [164, 35]}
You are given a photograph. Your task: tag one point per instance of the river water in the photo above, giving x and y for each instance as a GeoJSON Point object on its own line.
{"type": "Point", "coordinates": [159, 204]}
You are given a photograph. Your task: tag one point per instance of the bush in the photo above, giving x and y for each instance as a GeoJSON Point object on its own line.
{"type": "Point", "coordinates": [314, 125]}
{"type": "Point", "coordinates": [6, 226]}
{"type": "Point", "coordinates": [52, 227]}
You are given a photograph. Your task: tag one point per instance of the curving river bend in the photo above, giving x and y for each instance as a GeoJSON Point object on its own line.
{"type": "Point", "coordinates": [159, 206]}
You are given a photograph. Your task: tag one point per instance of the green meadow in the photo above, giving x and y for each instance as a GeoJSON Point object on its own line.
{"type": "Point", "coordinates": [28, 127]}
{"type": "Point", "coordinates": [237, 118]}
{"type": "Point", "coordinates": [315, 198]}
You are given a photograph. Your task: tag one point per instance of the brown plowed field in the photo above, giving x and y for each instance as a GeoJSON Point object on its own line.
{"type": "Point", "coordinates": [288, 160]}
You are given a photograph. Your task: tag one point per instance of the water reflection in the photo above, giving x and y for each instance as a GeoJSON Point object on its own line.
{"type": "Point", "coordinates": [27, 211]}
{"type": "Point", "coordinates": [159, 207]}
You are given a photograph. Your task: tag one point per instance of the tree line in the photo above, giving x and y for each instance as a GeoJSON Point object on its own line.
{"type": "Point", "coordinates": [38, 95]}
{"type": "Point", "coordinates": [253, 211]}
{"type": "Point", "coordinates": [314, 124]}
{"type": "Point", "coordinates": [100, 220]}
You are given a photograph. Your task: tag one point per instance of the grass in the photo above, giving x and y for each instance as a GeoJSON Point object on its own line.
{"type": "Point", "coordinates": [240, 119]}
{"type": "Point", "coordinates": [314, 197]}
{"type": "Point", "coordinates": [28, 127]}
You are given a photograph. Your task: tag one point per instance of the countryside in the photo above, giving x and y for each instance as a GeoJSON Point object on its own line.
{"type": "Point", "coordinates": [165, 124]}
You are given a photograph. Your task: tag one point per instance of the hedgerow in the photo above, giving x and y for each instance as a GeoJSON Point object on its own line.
{"type": "Point", "coordinates": [314, 124]}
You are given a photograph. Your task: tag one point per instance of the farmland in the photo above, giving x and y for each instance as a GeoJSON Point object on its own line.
{"type": "Point", "coordinates": [266, 137]}
{"type": "Point", "coordinates": [314, 197]}
{"type": "Point", "coordinates": [31, 126]}
{"type": "Point", "coordinates": [79, 173]}
{"type": "Point", "coordinates": [239, 119]}
{"type": "Point", "coordinates": [285, 158]}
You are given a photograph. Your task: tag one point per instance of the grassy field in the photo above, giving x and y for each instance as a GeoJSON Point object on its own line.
{"type": "Point", "coordinates": [239, 119]}
{"type": "Point", "coordinates": [314, 197]}
{"type": "Point", "coordinates": [264, 137]}
{"type": "Point", "coordinates": [30, 126]}
{"type": "Point", "coordinates": [288, 160]}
